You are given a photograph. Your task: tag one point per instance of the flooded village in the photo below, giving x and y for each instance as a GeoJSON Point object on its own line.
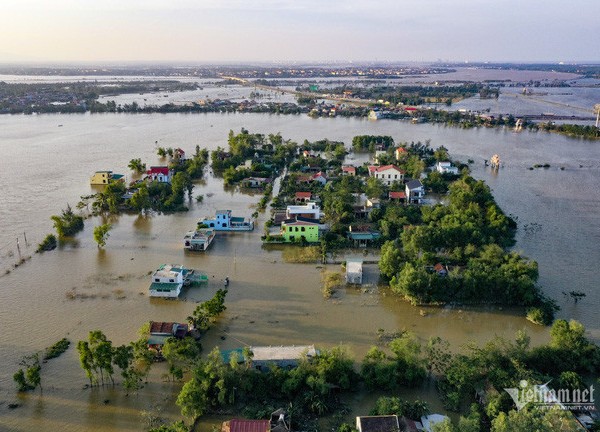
{"type": "Point", "coordinates": [292, 272]}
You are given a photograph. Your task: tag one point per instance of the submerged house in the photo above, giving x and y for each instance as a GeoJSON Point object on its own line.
{"type": "Point", "coordinates": [168, 280]}
{"type": "Point", "coordinates": [105, 177]}
{"type": "Point", "coordinates": [300, 229]}
{"type": "Point", "coordinates": [282, 356]}
{"type": "Point", "coordinates": [354, 271]}
{"type": "Point", "coordinates": [161, 174]}
{"type": "Point", "coordinates": [160, 331]}
{"type": "Point", "coordinates": [446, 168]}
{"type": "Point", "coordinates": [224, 221]}
{"type": "Point", "coordinates": [255, 182]}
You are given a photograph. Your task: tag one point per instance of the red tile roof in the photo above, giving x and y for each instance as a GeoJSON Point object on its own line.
{"type": "Point", "coordinates": [161, 327]}
{"type": "Point", "coordinates": [159, 170]}
{"type": "Point", "coordinates": [349, 169]}
{"type": "Point", "coordinates": [374, 169]}
{"type": "Point", "coordinates": [397, 195]}
{"type": "Point", "coordinates": [303, 194]}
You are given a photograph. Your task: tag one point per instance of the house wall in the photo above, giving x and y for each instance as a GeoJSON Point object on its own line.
{"type": "Point", "coordinates": [295, 233]}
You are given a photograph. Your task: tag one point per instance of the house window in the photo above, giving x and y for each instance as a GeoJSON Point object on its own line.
{"type": "Point", "coordinates": [302, 229]}
{"type": "Point", "coordinates": [156, 280]}
{"type": "Point", "coordinates": [396, 176]}
{"type": "Point", "coordinates": [296, 229]}
{"type": "Point", "coordinates": [171, 280]}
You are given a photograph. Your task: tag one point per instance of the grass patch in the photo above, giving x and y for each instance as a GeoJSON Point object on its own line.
{"type": "Point", "coordinates": [331, 281]}
{"type": "Point", "coordinates": [303, 255]}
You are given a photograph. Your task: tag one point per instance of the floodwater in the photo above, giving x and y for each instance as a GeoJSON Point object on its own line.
{"type": "Point", "coordinates": [44, 166]}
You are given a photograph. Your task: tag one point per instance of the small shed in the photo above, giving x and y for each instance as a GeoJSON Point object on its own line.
{"type": "Point", "coordinates": [354, 271]}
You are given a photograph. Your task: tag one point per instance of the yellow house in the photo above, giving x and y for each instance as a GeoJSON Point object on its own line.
{"type": "Point", "coordinates": [104, 177]}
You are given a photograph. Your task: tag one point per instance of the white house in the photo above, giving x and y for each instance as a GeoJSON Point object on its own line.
{"type": "Point", "coordinates": [446, 168]}
{"type": "Point", "coordinates": [378, 154]}
{"type": "Point", "coordinates": [415, 191]}
{"type": "Point", "coordinates": [161, 174]}
{"type": "Point", "coordinates": [309, 210]}
{"type": "Point", "coordinates": [354, 271]}
{"type": "Point", "coordinates": [167, 281]}
{"type": "Point", "coordinates": [319, 177]}
{"type": "Point", "coordinates": [388, 174]}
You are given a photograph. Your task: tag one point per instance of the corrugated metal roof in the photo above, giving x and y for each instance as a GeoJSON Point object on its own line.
{"type": "Point", "coordinates": [241, 425]}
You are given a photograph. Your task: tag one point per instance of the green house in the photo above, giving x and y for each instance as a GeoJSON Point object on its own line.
{"type": "Point", "coordinates": [300, 229]}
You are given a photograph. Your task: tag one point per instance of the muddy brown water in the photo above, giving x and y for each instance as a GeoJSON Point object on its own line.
{"type": "Point", "coordinates": [80, 288]}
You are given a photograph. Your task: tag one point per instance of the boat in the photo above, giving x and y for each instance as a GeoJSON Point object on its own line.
{"type": "Point", "coordinates": [224, 221]}
{"type": "Point", "coordinates": [198, 240]}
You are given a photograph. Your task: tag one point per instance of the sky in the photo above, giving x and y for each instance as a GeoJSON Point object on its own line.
{"type": "Point", "coordinates": [299, 30]}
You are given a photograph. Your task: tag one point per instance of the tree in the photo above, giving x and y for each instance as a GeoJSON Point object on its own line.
{"type": "Point", "coordinates": [30, 377]}
{"type": "Point", "coordinates": [86, 360]}
{"type": "Point", "coordinates": [390, 260]}
{"type": "Point", "coordinates": [137, 166]}
{"type": "Point", "coordinates": [101, 233]}
{"type": "Point", "coordinates": [140, 200]}
{"type": "Point", "coordinates": [533, 419]}
{"type": "Point", "coordinates": [180, 354]}
{"type": "Point", "coordinates": [68, 223]}
{"type": "Point", "coordinates": [374, 188]}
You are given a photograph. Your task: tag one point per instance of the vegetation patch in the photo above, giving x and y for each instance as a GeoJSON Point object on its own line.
{"type": "Point", "coordinates": [301, 254]}
{"type": "Point", "coordinates": [49, 243]}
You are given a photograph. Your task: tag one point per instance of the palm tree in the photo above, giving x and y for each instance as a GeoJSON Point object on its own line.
{"type": "Point", "coordinates": [137, 165]}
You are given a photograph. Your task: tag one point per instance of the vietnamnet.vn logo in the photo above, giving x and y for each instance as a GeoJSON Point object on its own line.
{"type": "Point", "coordinates": [543, 396]}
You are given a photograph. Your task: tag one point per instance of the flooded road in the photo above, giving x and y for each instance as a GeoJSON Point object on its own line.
{"type": "Point", "coordinates": [43, 167]}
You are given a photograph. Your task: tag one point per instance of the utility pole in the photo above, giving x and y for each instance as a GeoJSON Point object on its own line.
{"type": "Point", "coordinates": [19, 249]}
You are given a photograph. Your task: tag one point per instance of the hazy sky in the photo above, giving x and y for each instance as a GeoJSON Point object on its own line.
{"type": "Point", "coordinates": [302, 30]}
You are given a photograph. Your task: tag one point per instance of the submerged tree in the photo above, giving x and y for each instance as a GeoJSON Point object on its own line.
{"type": "Point", "coordinates": [68, 223]}
{"type": "Point", "coordinates": [101, 233]}
{"type": "Point", "coordinates": [137, 165]}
